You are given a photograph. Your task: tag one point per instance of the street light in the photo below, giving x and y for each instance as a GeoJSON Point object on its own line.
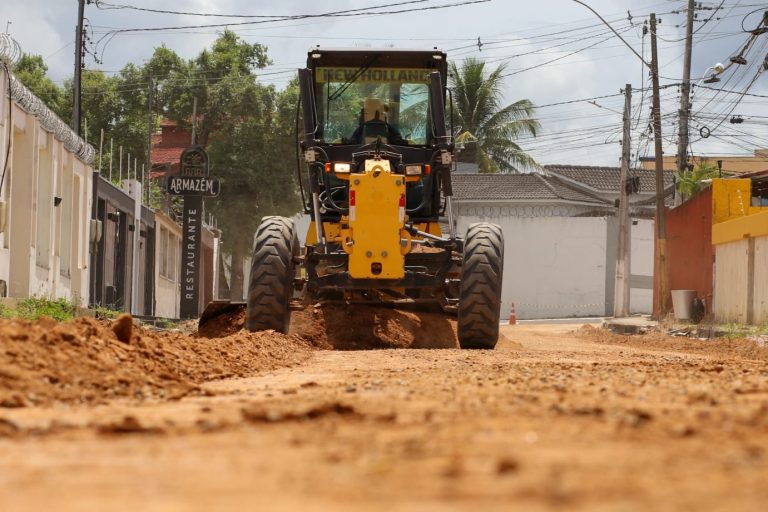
{"type": "Point", "coordinates": [716, 70]}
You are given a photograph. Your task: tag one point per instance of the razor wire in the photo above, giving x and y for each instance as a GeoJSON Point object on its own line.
{"type": "Point", "coordinates": [10, 52]}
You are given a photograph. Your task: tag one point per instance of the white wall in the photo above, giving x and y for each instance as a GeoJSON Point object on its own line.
{"type": "Point", "coordinates": [167, 262]}
{"type": "Point", "coordinates": [556, 266]}
{"type": "Point", "coordinates": [41, 167]}
{"type": "Point", "coordinates": [641, 255]}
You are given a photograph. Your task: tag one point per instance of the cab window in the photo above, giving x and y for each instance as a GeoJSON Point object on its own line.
{"type": "Point", "coordinates": [358, 107]}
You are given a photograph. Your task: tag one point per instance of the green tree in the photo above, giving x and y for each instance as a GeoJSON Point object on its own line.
{"type": "Point", "coordinates": [252, 156]}
{"type": "Point", "coordinates": [248, 129]}
{"type": "Point", "coordinates": [488, 130]}
{"type": "Point", "coordinates": [202, 78]}
{"type": "Point", "coordinates": [32, 71]}
{"type": "Point", "coordinates": [689, 183]}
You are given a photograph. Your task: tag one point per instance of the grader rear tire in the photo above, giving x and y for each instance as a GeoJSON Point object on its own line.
{"type": "Point", "coordinates": [270, 287]}
{"type": "Point", "coordinates": [480, 293]}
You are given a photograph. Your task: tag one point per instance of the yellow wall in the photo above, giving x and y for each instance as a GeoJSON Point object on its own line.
{"type": "Point", "coordinates": [732, 216]}
{"type": "Point", "coordinates": [740, 236]}
{"type": "Point", "coordinates": [730, 199]}
{"type": "Point", "coordinates": [751, 226]}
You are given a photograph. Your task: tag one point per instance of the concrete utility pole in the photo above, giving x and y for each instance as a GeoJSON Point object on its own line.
{"type": "Point", "coordinates": [194, 121]}
{"type": "Point", "coordinates": [78, 66]}
{"type": "Point", "coordinates": [150, 127]}
{"type": "Point", "coordinates": [623, 266]}
{"type": "Point", "coordinates": [661, 224]}
{"type": "Point", "coordinates": [685, 99]}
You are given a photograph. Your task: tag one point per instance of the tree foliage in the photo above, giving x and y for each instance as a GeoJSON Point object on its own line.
{"type": "Point", "coordinates": [488, 129]}
{"type": "Point", "coordinates": [32, 71]}
{"type": "Point", "coordinates": [689, 183]}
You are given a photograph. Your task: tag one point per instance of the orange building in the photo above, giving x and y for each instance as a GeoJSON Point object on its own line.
{"type": "Point", "coordinates": [730, 165]}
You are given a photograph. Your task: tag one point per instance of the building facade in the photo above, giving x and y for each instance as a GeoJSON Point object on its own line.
{"type": "Point", "coordinates": [67, 232]}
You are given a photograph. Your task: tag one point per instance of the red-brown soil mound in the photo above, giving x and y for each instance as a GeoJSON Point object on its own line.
{"type": "Point", "coordinates": [83, 361]}
{"type": "Point", "coordinates": [357, 326]}
{"type": "Point", "coordinates": [354, 326]}
{"type": "Point", "coordinates": [716, 347]}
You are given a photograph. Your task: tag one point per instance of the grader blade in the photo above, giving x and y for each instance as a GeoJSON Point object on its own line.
{"type": "Point", "coordinates": [217, 308]}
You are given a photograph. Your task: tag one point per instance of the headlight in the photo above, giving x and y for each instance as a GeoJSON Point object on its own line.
{"type": "Point", "coordinates": [342, 168]}
{"type": "Point", "coordinates": [413, 170]}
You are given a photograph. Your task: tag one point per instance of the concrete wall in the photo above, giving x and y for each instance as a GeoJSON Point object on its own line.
{"type": "Point", "coordinates": [44, 248]}
{"type": "Point", "coordinates": [167, 262]}
{"type": "Point", "coordinates": [641, 276]}
{"type": "Point", "coordinates": [565, 266]}
{"type": "Point", "coordinates": [760, 281]}
{"type": "Point", "coordinates": [741, 269]}
{"type": "Point", "coordinates": [689, 249]}
{"type": "Point", "coordinates": [732, 281]}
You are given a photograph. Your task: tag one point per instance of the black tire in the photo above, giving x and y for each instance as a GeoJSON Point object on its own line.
{"type": "Point", "coordinates": [270, 286]}
{"type": "Point", "coordinates": [480, 292]}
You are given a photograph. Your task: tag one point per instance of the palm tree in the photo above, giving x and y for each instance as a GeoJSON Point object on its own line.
{"type": "Point", "coordinates": [488, 131]}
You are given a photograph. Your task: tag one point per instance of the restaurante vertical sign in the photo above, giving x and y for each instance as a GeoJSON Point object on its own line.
{"type": "Point", "coordinates": [194, 163]}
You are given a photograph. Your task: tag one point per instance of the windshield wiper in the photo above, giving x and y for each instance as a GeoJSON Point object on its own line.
{"type": "Point", "coordinates": [362, 69]}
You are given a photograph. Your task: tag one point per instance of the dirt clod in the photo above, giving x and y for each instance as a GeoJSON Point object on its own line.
{"type": "Point", "coordinates": [260, 415]}
{"type": "Point", "coordinates": [122, 327]}
{"type": "Point", "coordinates": [507, 466]}
{"type": "Point", "coordinates": [127, 425]}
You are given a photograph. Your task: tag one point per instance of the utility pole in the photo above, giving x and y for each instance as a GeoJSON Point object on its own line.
{"type": "Point", "coordinates": [685, 99]}
{"type": "Point", "coordinates": [194, 120]}
{"type": "Point", "coordinates": [661, 224]}
{"type": "Point", "coordinates": [78, 66]}
{"type": "Point", "coordinates": [150, 126]}
{"type": "Point", "coordinates": [623, 267]}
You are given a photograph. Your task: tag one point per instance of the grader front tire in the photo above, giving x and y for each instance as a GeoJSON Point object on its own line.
{"type": "Point", "coordinates": [480, 293]}
{"type": "Point", "coordinates": [270, 287]}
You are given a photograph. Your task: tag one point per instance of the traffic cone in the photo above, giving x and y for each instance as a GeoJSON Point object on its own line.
{"type": "Point", "coordinates": [512, 315]}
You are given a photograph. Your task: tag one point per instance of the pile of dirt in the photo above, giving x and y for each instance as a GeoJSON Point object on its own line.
{"type": "Point", "coordinates": [84, 361]}
{"type": "Point", "coordinates": [360, 326]}
{"type": "Point", "coordinates": [739, 348]}
{"type": "Point", "coordinates": [353, 327]}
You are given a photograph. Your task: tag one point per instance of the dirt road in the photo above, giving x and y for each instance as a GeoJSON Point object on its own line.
{"type": "Point", "coordinates": [558, 417]}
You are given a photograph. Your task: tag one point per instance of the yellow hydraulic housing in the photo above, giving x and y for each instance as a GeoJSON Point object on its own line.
{"type": "Point", "coordinates": [373, 239]}
{"type": "Point", "coordinates": [373, 232]}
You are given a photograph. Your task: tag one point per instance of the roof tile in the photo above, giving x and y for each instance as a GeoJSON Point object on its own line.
{"type": "Point", "coordinates": [606, 179]}
{"type": "Point", "coordinates": [490, 187]}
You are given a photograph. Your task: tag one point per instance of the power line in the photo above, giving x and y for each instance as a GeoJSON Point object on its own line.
{"type": "Point", "coordinates": [343, 13]}
{"type": "Point", "coordinates": [614, 31]}
{"type": "Point", "coordinates": [106, 6]}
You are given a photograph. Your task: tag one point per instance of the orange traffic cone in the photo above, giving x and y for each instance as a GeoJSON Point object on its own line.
{"type": "Point", "coordinates": [512, 315]}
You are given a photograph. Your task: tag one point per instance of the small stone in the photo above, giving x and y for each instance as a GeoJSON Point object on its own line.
{"type": "Point", "coordinates": [351, 388]}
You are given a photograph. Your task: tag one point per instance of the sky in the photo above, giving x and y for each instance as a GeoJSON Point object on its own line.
{"type": "Point", "coordinates": [557, 54]}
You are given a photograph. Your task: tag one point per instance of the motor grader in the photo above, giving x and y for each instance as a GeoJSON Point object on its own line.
{"type": "Point", "coordinates": [378, 154]}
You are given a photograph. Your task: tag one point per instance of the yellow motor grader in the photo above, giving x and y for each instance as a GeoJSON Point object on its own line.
{"type": "Point", "coordinates": [378, 155]}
